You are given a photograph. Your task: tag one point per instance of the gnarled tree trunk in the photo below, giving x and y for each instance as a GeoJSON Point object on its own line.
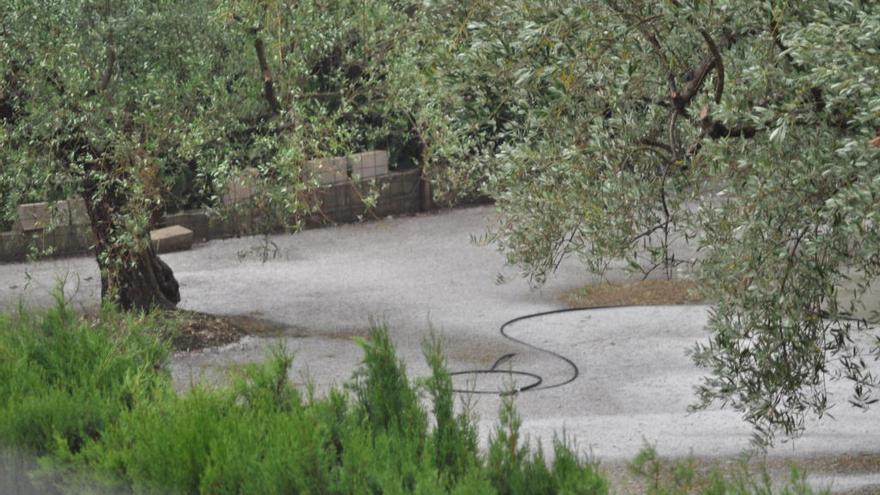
{"type": "Point", "coordinates": [148, 284]}
{"type": "Point", "coordinates": [132, 274]}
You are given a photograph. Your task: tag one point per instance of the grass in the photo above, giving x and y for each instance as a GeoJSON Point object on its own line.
{"type": "Point", "coordinates": [92, 398]}
{"type": "Point", "coordinates": [635, 293]}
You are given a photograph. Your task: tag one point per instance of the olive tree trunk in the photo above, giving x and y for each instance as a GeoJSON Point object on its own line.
{"type": "Point", "coordinates": [132, 274]}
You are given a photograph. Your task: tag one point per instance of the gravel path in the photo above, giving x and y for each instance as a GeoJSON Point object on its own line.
{"type": "Point", "coordinates": [422, 274]}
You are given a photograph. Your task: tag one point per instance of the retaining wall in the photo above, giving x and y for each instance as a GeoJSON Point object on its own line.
{"type": "Point", "coordinates": [338, 203]}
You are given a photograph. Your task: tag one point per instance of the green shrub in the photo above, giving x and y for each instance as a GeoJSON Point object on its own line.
{"type": "Point", "coordinates": [682, 477]}
{"type": "Point", "coordinates": [453, 443]}
{"type": "Point", "coordinates": [382, 389]}
{"type": "Point", "coordinates": [91, 397]}
{"type": "Point", "coordinates": [62, 376]}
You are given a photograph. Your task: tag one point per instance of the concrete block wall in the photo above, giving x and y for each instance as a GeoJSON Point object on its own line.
{"type": "Point", "coordinates": [333, 170]}
{"type": "Point", "coordinates": [343, 202]}
{"type": "Point", "coordinates": [63, 240]}
{"type": "Point", "coordinates": [339, 169]}
{"type": "Point", "coordinates": [241, 187]}
{"type": "Point", "coordinates": [40, 216]}
{"type": "Point", "coordinates": [368, 164]}
{"type": "Point", "coordinates": [338, 203]}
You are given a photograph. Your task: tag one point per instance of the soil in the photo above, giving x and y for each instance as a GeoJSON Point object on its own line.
{"type": "Point", "coordinates": [192, 331]}
{"type": "Point", "coordinates": [637, 293]}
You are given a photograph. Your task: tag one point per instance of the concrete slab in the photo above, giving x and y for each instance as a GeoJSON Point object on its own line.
{"type": "Point", "coordinates": [422, 274]}
{"type": "Point", "coordinates": [170, 239]}
{"type": "Point", "coordinates": [195, 220]}
{"type": "Point", "coordinates": [79, 215]}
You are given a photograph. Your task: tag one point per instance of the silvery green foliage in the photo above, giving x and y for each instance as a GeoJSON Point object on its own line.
{"type": "Point", "coordinates": [796, 233]}
{"type": "Point", "coordinates": [606, 129]}
{"type": "Point", "coordinates": [144, 107]}
{"type": "Point", "coordinates": [147, 90]}
{"type": "Point", "coordinates": [185, 97]}
{"type": "Point", "coordinates": [538, 100]}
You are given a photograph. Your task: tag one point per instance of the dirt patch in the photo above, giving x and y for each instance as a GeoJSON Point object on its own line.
{"type": "Point", "coordinates": [191, 330]}
{"type": "Point", "coordinates": [638, 293]}
{"type": "Point", "coordinates": [859, 463]}
{"type": "Point", "coordinates": [297, 332]}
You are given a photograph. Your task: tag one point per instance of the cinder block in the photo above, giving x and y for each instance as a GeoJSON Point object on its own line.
{"type": "Point", "coordinates": [221, 227]}
{"type": "Point", "coordinates": [333, 170]}
{"type": "Point", "coordinates": [60, 240]}
{"type": "Point", "coordinates": [241, 187]}
{"type": "Point", "coordinates": [396, 186]}
{"type": "Point", "coordinates": [33, 216]}
{"type": "Point", "coordinates": [173, 238]}
{"type": "Point", "coordinates": [369, 163]}
{"type": "Point", "coordinates": [40, 216]}
{"type": "Point", "coordinates": [65, 240]}
{"type": "Point", "coordinates": [79, 215]}
{"type": "Point", "coordinates": [195, 220]}
{"type": "Point", "coordinates": [13, 246]}
{"type": "Point", "coordinates": [329, 200]}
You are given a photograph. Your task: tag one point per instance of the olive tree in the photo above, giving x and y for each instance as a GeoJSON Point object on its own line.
{"type": "Point", "coordinates": [140, 105]}
{"type": "Point", "coordinates": [615, 128]}
{"type": "Point", "coordinates": [104, 98]}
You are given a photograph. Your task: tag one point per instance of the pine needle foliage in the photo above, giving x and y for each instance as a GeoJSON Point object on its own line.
{"type": "Point", "coordinates": [92, 399]}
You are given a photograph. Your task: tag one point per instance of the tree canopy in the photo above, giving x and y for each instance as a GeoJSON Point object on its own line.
{"type": "Point", "coordinates": [607, 130]}
{"type": "Point", "coordinates": [143, 107]}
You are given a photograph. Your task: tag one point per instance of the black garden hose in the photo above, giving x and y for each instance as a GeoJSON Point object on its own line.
{"type": "Point", "coordinates": [538, 381]}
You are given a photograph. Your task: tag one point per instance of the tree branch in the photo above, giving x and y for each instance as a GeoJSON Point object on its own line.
{"type": "Point", "coordinates": [108, 70]}
{"type": "Point", "coordinates": [268, 85]}
{"type": "Point", "coordinates": [716, 130]}
{"type": "Point", "coordinates": [656, 144]}
{"type": "Point", "coordinates": [719, 67]}
{"type": "Point", "coordinates": [681, 100]}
